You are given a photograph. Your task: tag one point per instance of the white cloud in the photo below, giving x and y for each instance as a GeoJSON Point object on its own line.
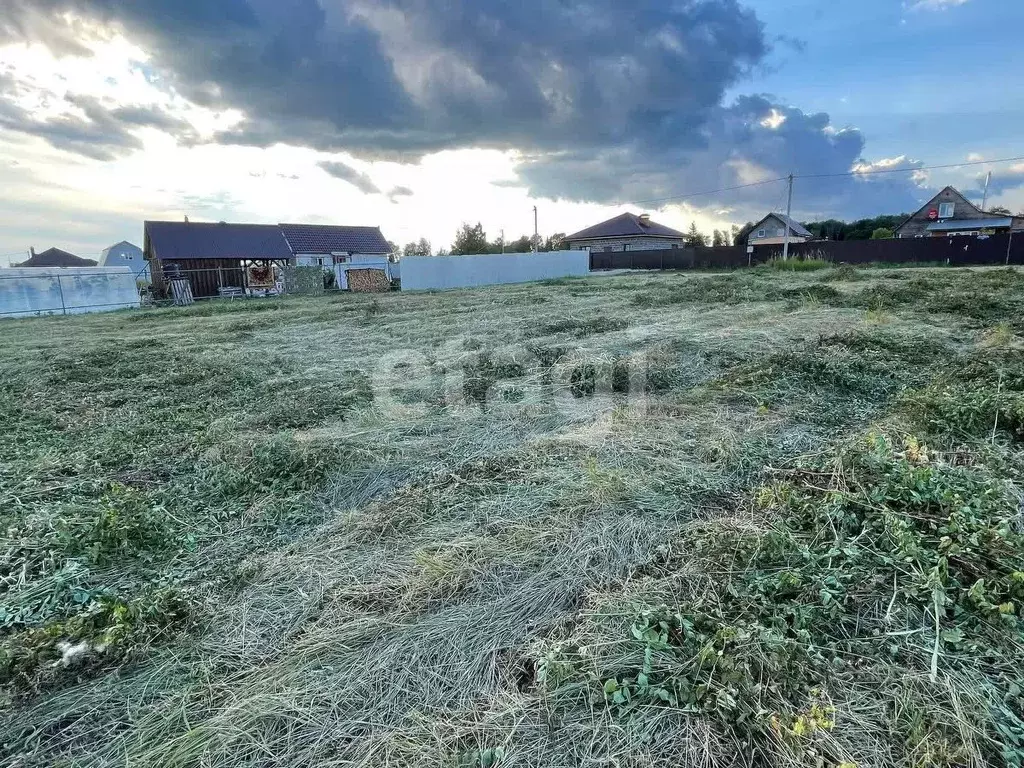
{"type": "Point", "coordinates": [774, 120]}
{"type": "Point", "coordinates": [935, 5]}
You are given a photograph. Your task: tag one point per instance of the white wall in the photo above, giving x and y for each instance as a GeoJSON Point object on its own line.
{"type": "Point", "coordinates": [31, 291]}
{"type": "Point", "coordinates": [425, 273]}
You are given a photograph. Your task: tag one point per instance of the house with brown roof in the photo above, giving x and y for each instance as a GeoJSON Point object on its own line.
{"type": "Point", "coordinates": [950, 213]}
{"type": "Point", "coordinates": [627, 232]}
{"type": "Point", "coordinates": [55, 257]}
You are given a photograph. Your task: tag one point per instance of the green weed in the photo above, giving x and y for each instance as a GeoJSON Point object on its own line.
{"type": "Point", "coordinates": [799, 265]}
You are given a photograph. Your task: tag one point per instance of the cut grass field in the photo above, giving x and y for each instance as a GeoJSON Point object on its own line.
{"type": "Point", "coordinates": [756, 519]}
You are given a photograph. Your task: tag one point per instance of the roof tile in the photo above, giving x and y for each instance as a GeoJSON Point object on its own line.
{"type": "Point", "coordinates": [324, 239]}
{"type": "Point", "coordinates": [175, 240]}
{"type": "Point", "coordinates": [625, 225]}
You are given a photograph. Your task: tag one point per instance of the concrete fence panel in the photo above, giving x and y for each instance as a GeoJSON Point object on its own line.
{"type": "Point", "coordinates": [439, 273]}
{"type": "Point", "coordinates": [28, 291]}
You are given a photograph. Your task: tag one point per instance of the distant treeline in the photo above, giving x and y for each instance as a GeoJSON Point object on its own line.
{"type": "Point", "coordinates": [834, 229]}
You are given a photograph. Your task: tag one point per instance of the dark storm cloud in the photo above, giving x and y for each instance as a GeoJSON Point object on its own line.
{"type": "Point", "coordinates": [752, 140]}
{"type": "Point", "coordinates": [609, 100]}
{"type": "Point", "coordinates": [419, 75]}
{"type": "Point", "coordinates": [357, 179]}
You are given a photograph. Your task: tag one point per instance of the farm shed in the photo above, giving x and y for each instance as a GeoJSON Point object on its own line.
{"type": "Point", "coordinates": [217, 259]}
{"type": "Point", "coordinates": [363, 251]}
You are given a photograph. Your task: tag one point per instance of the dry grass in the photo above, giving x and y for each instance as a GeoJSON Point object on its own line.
{"type": "Point", "coordinates": [387, 514]}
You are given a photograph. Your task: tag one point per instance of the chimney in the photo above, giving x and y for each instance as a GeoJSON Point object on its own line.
{"type": "Point", "coordinates": [645, 219]}
{"type": "Point", "coordinates": [32, 251]}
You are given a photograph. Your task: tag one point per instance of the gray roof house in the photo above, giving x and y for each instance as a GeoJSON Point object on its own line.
{"type": "Point", "coordinates": [771, 230]}
{"type": "Point", "coordinates": [950, 213]}
{"type": "Point", "coordinates": [55, 257]}
{"type": "Point", "coordinates": [125, 254]}
{"type": "Point", "coordinates": [627, 232]}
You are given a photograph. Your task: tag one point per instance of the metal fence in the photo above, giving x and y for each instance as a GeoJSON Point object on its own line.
{"type": "Point", "coordinates": [952, 251]}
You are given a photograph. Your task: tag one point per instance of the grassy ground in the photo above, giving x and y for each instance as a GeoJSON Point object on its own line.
{"type": "Point", "coordinates": [757, 519]}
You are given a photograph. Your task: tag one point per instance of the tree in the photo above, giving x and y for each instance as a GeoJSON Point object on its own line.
{"type": "Point", "coordinates": [739, 236]}
{"type": "Point", "coordinates": [1001, 210]}
{"type": "Point", "coordinates": [694, 237]}
{"type": "Point", "coordinates": [862, 229]}
{"type": "Point", "coordinates": [470, 240]}
{"type": "Point", "coordinates": [420, 248]}
{"type": "Point", "coordinates": [556, 242]}
{"type": "Point", "coordinates": [395, 250]}
{"type": "Point", "coordinates": [522, 245]}
{"type": "Point", "coordinates": [718, 239]}
{"type": "Point", "coordinates": [882, 233]}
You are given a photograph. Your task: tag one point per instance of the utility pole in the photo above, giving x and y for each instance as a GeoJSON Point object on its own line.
{"type": "Point", "coordinates": [789, 212]}
{"type": "Point", "coordinates": [984, 198]}
{"type": "Point", "coordinates": [535, 235]}
{"type": "Point", "coordinates": [503, 241]}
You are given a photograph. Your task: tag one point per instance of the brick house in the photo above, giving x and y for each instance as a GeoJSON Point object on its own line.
{"type": "Point", "coordinates": [627, 232]}
{"type": "Point", "coordinates": [950, 213]}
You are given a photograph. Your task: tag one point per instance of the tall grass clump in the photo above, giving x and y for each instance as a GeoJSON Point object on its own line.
{"type": "Point", "coordinates": [793, 264]}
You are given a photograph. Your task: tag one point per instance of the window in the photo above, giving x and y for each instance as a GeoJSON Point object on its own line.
{"type": "Point", "coordinates": [625, 246]}
{"type": "Point", "coordinates": [946, 210]}
{"type": "Point", "coordinates": [760, 233]}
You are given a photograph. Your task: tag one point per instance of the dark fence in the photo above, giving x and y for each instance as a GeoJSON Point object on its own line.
{"type": "Point", "coordinates": [670, 258]}
{"type": "Point", "coordinates": [954, 251]}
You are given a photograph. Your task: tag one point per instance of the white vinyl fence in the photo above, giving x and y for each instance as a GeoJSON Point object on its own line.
{"type": "Point", "coordinates": [28, 291]}
{"type": "Point", "coordinates": [439, 273]}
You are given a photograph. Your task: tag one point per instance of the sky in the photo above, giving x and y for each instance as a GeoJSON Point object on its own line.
{"type": "Point", "coordinates": [419, 115]}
